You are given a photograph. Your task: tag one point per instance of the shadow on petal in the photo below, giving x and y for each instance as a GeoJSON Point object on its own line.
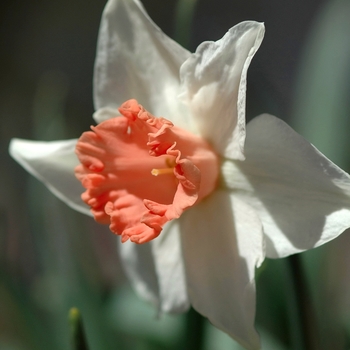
{"type": "Point", "coordinates": [222, 243]}
{"type": "Point", "coordinates": [138, 264]}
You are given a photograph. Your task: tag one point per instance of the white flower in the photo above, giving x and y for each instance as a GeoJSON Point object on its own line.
{"type": "Point", "coordinates": [278, 195]}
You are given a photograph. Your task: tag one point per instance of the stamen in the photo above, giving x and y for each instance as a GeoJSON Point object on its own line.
{"type": "Point", "coordinates": [170, 162]}
{"type": "Point", "coordinates": [156, 172]}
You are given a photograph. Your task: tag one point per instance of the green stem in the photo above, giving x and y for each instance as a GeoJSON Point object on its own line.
{"type": "Point", "coordinates": [304, 312]}
{"type": "Point", "coordinates": [77, 331]}
{"type": "Point", "coordinates": [194, 337]}
{"type": "Point", "coordinates": [183, 21]}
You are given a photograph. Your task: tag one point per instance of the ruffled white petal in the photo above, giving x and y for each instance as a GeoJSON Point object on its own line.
{"type": "Point", "coordinates": [214, 86]}
{"type": "Point", "coordinates": [301, 197]}
{"type": "Point", "coordinates": [138, 264]}
{"type": "Point", "coordinates": [169, 266]}
{"type": "Point", "coordinates": [52, 163]}
{"type": "Point", "coordinates": [222, 244]}
{"type": "Point", "coordinates": [135, 59]}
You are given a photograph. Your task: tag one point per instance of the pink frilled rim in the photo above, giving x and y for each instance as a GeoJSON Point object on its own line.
{"type": "Point", "coordinates": [140, 172]}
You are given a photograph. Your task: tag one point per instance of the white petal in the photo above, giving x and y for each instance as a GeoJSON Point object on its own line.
{"type": "Point", "coordinates": [135, 59]}
{"type": "Point", "coordinates": [223, 243]}
{"type": "Point", "coordinates": [52, 163]}
{"type": "Point", "coordinates": [103, 114]}
{"type": "Point", "coordinates": [214, 86]}
{"type": "Point", "coordinates": [137, 261]}
{"type": "Point", "coordinates": [169, 266]}
{"type": "Point", "coordinates": [301, 197]}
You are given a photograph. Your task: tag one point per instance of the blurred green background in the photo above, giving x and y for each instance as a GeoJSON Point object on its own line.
{"type": "Point", "coordinates": [52, 258]}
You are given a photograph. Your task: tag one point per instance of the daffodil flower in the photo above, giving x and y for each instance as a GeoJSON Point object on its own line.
{"type": "Point", "coordinates": [172, 164]}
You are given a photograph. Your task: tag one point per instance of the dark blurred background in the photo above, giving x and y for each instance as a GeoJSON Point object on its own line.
{"type": "Point", "coordinates": [52, 258]}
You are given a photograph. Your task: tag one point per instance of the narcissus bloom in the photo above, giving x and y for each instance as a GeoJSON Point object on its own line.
{"type": "Point", "coordinates": [211, 198]}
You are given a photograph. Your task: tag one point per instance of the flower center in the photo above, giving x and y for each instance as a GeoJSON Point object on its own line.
{"type": "Point", "coordinates": [121, 162]}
